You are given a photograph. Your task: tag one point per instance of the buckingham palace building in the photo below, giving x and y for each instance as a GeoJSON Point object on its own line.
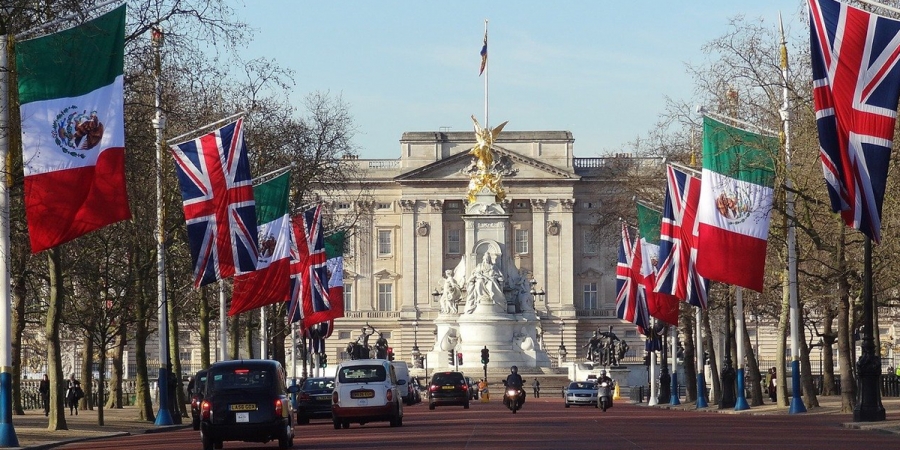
{"type": "Point", "coordinates": [409, 233]}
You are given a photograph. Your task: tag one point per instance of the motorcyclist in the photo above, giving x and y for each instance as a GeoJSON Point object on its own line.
{"type": "Point", "coordinates": [604, 377]}
{"type": "Point", "coordinates": [514, 380]}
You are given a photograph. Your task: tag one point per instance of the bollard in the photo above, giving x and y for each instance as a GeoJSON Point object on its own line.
{"type": "Point", "coordinates": [616, 392]}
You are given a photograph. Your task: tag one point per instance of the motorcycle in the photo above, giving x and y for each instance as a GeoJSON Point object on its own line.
{"type": "Point", "coordinates": [604, 395]}
{"type": "Point", "coordinates": [513, 398]}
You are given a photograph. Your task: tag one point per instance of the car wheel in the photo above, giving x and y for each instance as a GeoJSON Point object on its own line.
{"type": "Point", "coordinates": [466, 405]}
{"type": "Point", "coordinates": [395, 421]}
{"type": "Point", "coordinates": [302, 420]}
{"type": "Point", "coordinates": [345, 424]}
{"type": "Point", "coordinates": [206, 440]}
{"type": "Point", "coordinates": [431, 406]}
{"type": "Point", "coordinates": [337, 424]}
{"type": "Point", "coordinates": [219, 444]}
{"type": "Point", "coordinates": [195, 424]}
{"type": "Point", "coordinates": [567, 404]}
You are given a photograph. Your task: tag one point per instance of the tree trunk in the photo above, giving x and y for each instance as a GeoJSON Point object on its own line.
{"type": "Point", "coordinates": [204, 327]}
{"type": "Point", "coordinates": [101, 379]}
{"type": "Point", "coordinates": [752, 369]}
{"type": "Point", "coordinates": [249, 336]}
{"type": "Point", "coordinates": [234, 338]}
{"type": "Point", "coordinates": [783, 325]}
{"type": "Point", "coordinates": [828, 339]}
{"type": "Point", "coordinates": [713, 365]}
{"type": "Point", "coordinates": [806, 380]}
{"type": "Point", "coordinates": [87, 374]}
{"type": "Point", "coordinates": [845, 364]}
{"type": "Point", "coordinates": [19, 290]}
{"type": "Point", "coordinates": [115, 383]}
{"type": "Point", "coordinates": [141, 332]}
{"type": "Point", "coordinates": [175, 356]}
{"type": "Point", "coordinates": [51, 334]}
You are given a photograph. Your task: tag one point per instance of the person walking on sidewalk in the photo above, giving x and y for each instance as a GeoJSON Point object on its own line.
{"type": "Point", "coordinates": [536, 385]}
{"type": "Point", "coordinates": [44, 390]}
{"type": "Point", "coordinates": [73, 394]}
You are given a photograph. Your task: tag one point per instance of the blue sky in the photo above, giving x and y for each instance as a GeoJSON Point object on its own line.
{"type": "Point", "coordinates": [600, 69]}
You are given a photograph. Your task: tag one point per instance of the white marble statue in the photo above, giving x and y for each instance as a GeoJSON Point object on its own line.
{"type": "Point", "coordinates": [451, 294]}
{"type": "Point", "coordinates": [485, 284]}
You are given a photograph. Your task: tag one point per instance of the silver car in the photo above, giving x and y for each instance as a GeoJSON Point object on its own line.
{"type": "Point", "coordinates": [581, 393]}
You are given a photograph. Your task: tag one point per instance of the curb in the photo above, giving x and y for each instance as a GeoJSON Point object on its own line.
{"type": "Point", "coordinates": [51, 445]}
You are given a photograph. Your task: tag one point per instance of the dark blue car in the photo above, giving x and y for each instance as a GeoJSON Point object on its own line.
{"type": "Point", "coordinates": [314, 399]}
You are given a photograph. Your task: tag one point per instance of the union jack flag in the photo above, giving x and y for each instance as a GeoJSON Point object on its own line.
{"type": "Point", "coordinates": [310, 301]}
{"type": "Point", "coordinates": [856, 85]}
{"type": "Point", "coordinates": [217, 191]}
{"type": "Point", "coordinates": [631, 301]}
{"type": "Point", "coordinates": [678, 239]}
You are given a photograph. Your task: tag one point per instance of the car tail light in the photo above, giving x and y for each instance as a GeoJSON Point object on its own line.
{"type": "Point", "coordinates": [279, 407]}
{"type": "Point", "coordinates": [304, 396]}
{"type": "Point", "coordinates": [433, 387]}
{"type": "Point", "coordinates": [205, 410]}
{"type": "Point", "coordinates": [334, 398]}
{"type": "Point", "coordinates": [465, 387]}
{"type": "Point", "coordinates": [389, 395]}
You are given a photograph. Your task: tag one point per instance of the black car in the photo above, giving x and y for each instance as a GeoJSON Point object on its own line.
{"type": "Point", "coordinates": [448, 388]}
{"type": "Point", "coordinates": [314, 399]}
{"type": "Point", "coordinates": [246, 400]}
{"type": "Point", "coordinates": [196, 393]}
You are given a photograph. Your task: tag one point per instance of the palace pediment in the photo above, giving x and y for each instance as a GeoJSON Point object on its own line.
{"type": "Point", "coordinates": [513, 166]}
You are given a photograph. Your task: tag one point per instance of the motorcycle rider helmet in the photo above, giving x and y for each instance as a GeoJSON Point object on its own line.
{"type": "Point", "coordinates": [514, 369]}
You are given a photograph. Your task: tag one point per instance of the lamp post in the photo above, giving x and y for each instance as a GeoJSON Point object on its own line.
{"type": "Point", "coordinates": [562, 343]}
{"type": "Point", "coordinates": [416, 355]}
{"type": "Point", "coordinates": [535, 293]}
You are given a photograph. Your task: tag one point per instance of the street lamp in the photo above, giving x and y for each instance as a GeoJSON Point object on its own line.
{"type": "Point", "coordinates": [562, 343]}
{"type": "Point", "coordinates": [417, 362]}
{"type": "Point", "coordinates": [535, 293]}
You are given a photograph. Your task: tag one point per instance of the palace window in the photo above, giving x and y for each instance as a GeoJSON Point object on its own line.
{"type": "Point", "coordinates": [521, 241]}
{"type": "Point", "coordinates": [343, 205]}
{"type": "Point", "coordinates": [590, 242]}
{"type": "Point", "coordinates": [590, 296]}
{"type": "Point", "coordinates": [453, 242]}
{"type": "Point", "coordinates": [385, 297]}
{"type": "Point", "coordinates": [343, 335]}
{"type": "Point", "coordinates": [384, 206]}
{"type": "Point", "coordinates": [348, 297]}
{"type": "Point", "coordinates": [384, 242]}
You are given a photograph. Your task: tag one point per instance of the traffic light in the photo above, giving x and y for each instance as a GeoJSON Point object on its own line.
{"type": "Point", "coordinates": [390, 354]}
{"type": "Point", "coordinates": [485, 355]}
{"type": "Point", "coordinates": [459, 358]}
{"type": "Point", "coordinates": [323, 360]}
{"type": "Point", "coordinates": [450, 356]}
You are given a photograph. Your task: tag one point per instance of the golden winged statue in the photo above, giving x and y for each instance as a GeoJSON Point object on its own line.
{"type": "Point", "coordinates": [484, 160]}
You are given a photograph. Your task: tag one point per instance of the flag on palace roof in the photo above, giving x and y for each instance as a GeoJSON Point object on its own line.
{"type": "Point", "coordinates": [219, 210]}
{"type": "Point", "coordinates": [483, 54]}
{"type": "Point", "coordinates": [677, 273]}
{"type": "Point", "coordinates": [735, 204]}
{"type": "Point", "coordinates": [73, 130]}
{"type": "Point", "coordinates": [856, 85]}
{"type": "Point", "coordinates": [659, 304]}
{"type": "Point", "coordinates": [631, 303]}
{"type": "Point", "coordinates": [270, 282]}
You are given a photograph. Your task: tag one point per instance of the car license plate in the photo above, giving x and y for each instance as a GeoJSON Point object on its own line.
{"type": "Point", "coordinates": [324, 399]}
{"type": "Point", "coordinates": [447, 388]}
{"type": "Point", "coordinates": [243, 407]}
{"type": "Point", "coordinates": [362, 394]}
{"type": "Point", "coordinates": [242, 417]}
{"type": "Point", "coordinates": [362, 402]}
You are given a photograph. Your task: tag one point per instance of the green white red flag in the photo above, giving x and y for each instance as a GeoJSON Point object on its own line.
{"type": "Point", "coordinates": [735, 204]}
{"type": "Point", "coordinates": [659, 304]}
{"type": "Point", "coordinates": [73, 135]}
{"type": "Point", "coordinates": [270, 283]}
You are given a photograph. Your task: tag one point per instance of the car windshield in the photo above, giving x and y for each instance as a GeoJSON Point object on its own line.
{"type": "Point", "coordinates": [200, 384]}
{"type": "Point", "coordinates": [240, 378]}
{"type": "Point", "coordinates": [318, 383]}
{"type": "Point", "coordinates": [583, 385]}
{"type": "Point", "coordinates": [362, 374]}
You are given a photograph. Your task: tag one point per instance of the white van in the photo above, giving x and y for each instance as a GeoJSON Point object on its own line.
{"type": "Point", "coordinates": [401, 368]}
{"type": "Point", "coordinates": [367, 390]}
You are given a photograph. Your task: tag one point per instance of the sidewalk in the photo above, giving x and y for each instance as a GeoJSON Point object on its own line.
{"type": "Point", "coordinates": [827, 405]}
{"type": "Point", "coordinates": [32, 433]}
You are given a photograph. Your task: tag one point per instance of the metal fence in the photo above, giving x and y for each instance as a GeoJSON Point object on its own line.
{"type": "Point", "coordinates": [31, 398]}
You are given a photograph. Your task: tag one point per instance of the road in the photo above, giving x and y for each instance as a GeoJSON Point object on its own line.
{"type": "Point", "coordinates": [545, 424]}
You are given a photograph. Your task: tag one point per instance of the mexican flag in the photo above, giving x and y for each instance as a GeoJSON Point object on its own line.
{"type": "Point", "coordinates": [73, 137]}
{"type": "Point", "coordinates": [334, 251]}
{"type": "Point", "coordinates": [270, 282]}
{"type": "Point", "coordinates": [735, 204]}
{"type": "Point", "coordinates": [660, 305]}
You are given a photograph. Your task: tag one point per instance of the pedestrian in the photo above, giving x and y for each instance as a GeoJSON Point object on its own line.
{"type": "Point", "coordinates": [74, 393]}
{"type": "Point", "coordinates": [44, 390]}
{"type": "Point", "coordinates": [536, 385]}
{"type": "Point", "coordinates": [773, 382]}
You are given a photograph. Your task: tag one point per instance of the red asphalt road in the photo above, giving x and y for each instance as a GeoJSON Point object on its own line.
{"type": "Point", "coordinates": [545, 424]}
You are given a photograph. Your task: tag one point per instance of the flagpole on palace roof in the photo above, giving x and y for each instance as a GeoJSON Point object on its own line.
{"type": "Point", "coordinates": [164, 416]}
{"type": "Point", "coordinates": [7, 431]}
{"type": "Point", "coordinates": [487, 123]}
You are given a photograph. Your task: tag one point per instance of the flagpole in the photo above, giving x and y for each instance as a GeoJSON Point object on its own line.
{"type": "Point", "coordinates": [164, 416]}
{"type": "Point", "coordinates": [209, 125]}
{"type": "Point", "coordinates": [653, 387]}
{"type": "Point", "coordinates": [69, 17]}
{"type": "Point", "coordinates": [701, 375]}
{"type": "Point", "coordinates": [741, 403]}
{"type": "Point", "coordinates": [263, 351]}
{"type": "Point", "coordinates": [797, 405]}
{"type": "Point", "coordinates": [487, 123]}
{"type": "Point", "coordinates": [674, 398]}
{"type": "Point", "coordinates": [223, 323]}
{"type": "Point", "coordinates": [7, 431]}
